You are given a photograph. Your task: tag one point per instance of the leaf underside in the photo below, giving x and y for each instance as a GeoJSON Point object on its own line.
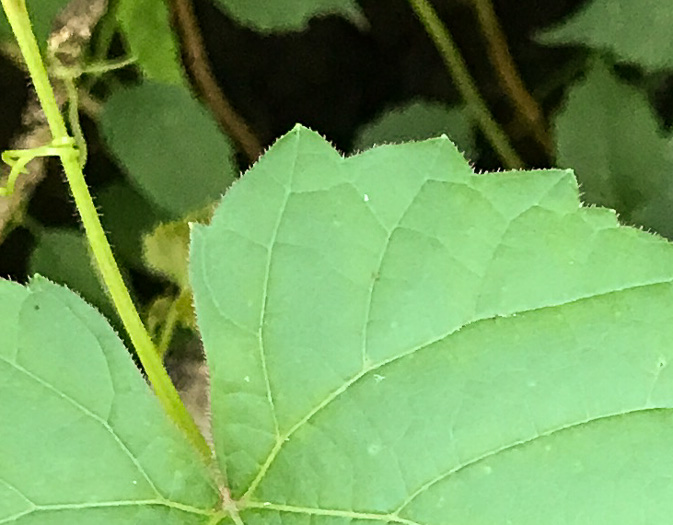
{"type": "Point", "coordinates": [82, 438]}
{"type": "Point", "coordinates": [392, 338]}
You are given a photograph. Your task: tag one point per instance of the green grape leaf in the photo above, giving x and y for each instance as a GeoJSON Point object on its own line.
{"type": "Point", "coordinates": [287, 15]}
{"type": "Point", "coordinates": [83, 439]}
{"type": "Point", "coordinates": [146, 28]}
{"type": "Point", "coordinates": [395, 339]}
{"type": "Point", "coordinates": [609, 134]}
{"type": "Point", "coordinates": [636, 32]}
{"type": "Point", "coordinates": [42, 13]}
{"type": "Point", "coordinates": [62, 255]}
{"type": "Point", "coordinates": [169, 145]}
{"type": "Point", "coordinates": [418, 120]}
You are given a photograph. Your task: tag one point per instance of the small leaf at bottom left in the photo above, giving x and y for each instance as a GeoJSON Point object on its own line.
{"type": "Point", "coordinates": [82, 438]}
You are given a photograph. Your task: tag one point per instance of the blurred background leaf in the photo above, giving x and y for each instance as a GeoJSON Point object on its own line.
{"type": "Point", "coordinates": [62, 255]}
{"type": "Point", "coordinates": [169, 145]}
{"type": "Point", "coordinates": [146, 27]}
{"type": "Point", "coordinates": [166, 251]}
{"type": "Point", "coordinates": [127, 216]}
{"type": "Point", "coordinates": [418, 120]}
{"type": "Point", "coordinates": [286, 15]}
{"type": "Point", "coordinates": [636, 31]}
{"type": "Point", "coordinates": [42, 14]}
{"type": "Point", "coordinates": [609, 134]}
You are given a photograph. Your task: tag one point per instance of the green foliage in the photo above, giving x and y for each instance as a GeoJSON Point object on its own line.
{"type": "Point", "coordinates": [635, 31]}
{"type": "Point", "coordinates": [86, 443]}
{"type": "Point", "coordinates": [608, 132]}
{"type": "Point", "coordinates": [62, 255]}
{"type": "Point", "coordinates": [166, 251]}
{"type": "Point", "coordinates": [169, 145]}
{"type": "Point", "coordinates": [42, 13]}
{"type": "Point", "coordinates": [392, 337]}
{"type": "Point", "coordinates": [127, 216]}
{"type": "Point", "coordinates": [147, 31]}
{"type": "Point", "coordinates": [286, 15]}
{"type": "Point", "coordinates": [418, 120]}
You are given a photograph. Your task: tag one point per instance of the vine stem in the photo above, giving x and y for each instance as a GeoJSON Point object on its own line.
{"type": "Point", "coordinates": [506, 69]}
{"type": "Point", "coordinates": [199, 66]}
{"type": "Point", "coordinates": [465, 84]}
{"type": "Point", "coordinates": [164, 389]}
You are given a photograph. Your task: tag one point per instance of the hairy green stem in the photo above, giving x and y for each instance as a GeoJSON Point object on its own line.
{"type": "Point", "coordinates": [156, 373]}
{"type": "Point", "coordinates": [465, 84]}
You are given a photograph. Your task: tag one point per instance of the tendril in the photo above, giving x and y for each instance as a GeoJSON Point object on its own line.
{"type": "Point", "coordinates": [18, 159]}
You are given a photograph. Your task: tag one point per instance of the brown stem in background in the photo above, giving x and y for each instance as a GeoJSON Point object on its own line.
{"type": "Point", "coordinates": [199, 68]}
{"type": "Point", "coordinates": [506, 69]}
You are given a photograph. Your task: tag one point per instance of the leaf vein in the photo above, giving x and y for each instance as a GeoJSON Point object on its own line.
{"type": "Point", "coordinates": [110, 504]}
{"type": "Point", "coordinates": [265, 288]}
{"type": "Point", "coordinates": [90, 414]}
{"type": "Point", "coordinates": [516, 444]}
{"type": "Point", "coordinates": [382, 256]}
{"type": "Point", "coordinates": [337, 513]}
{"type": "Point", "coordinates": [376, 367]}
